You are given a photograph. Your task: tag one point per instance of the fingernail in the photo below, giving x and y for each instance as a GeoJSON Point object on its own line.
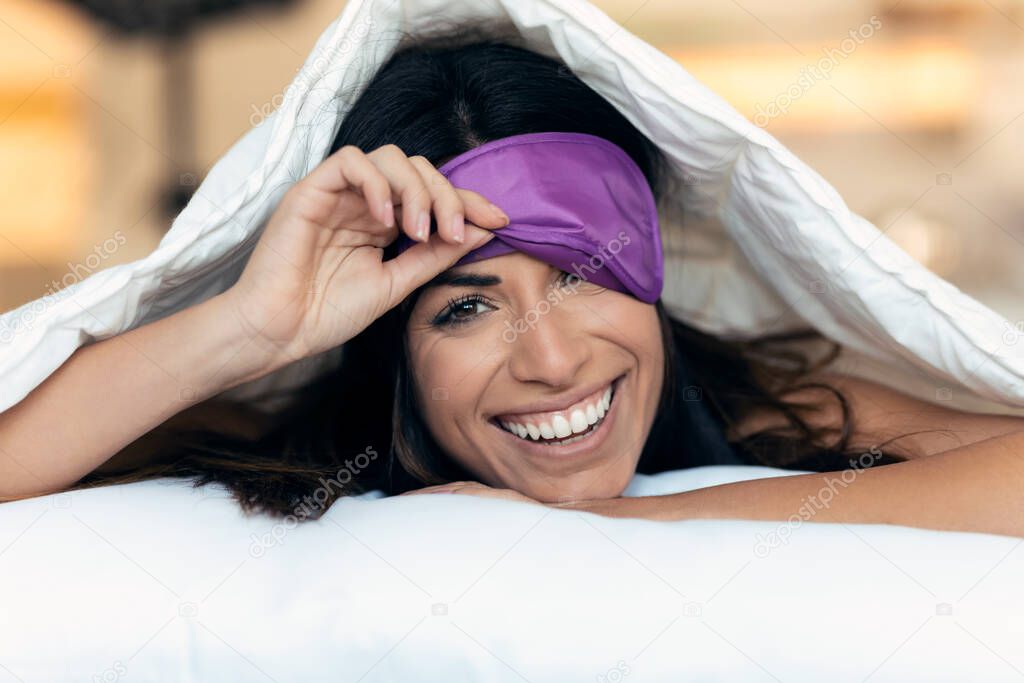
{"type": "Point", "coordinates": [500, 214]}
{"type": "Point", "coordinates": [423, 225]}
{"type": "Point", "coordinates": [389, 214]}
{"type": "Point", "coordinates": [459, 228]}
{"type": "Point", "coordinates": [478, 238]}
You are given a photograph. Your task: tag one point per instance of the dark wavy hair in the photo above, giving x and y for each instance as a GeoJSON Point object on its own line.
{"type": "Point", "coordinates": [438, 96]}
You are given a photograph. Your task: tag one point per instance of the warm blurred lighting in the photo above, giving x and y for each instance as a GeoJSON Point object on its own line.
{"type": "Point", "coordinates": [913, 85]}
{"type": "Point", "coordinates": [43, 185]}
{"type": "Point", "coordinates": [927, 88]}
{"type": "Point", "coordinates": [44, 141]}
{"type": "Point", "coordinates": [919, 12]}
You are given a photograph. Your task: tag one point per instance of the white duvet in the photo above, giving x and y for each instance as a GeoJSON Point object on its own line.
{"type": "Point", "coordinates": [102, 585]}
{"type": "Point", "coordinates": [159, 582]}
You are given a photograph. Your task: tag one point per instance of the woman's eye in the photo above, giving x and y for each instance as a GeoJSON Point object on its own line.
{"type": "Point", "coordinates": [460, 310]}
{"type": "Point", "coordinates": [464, 310]}
{"type": "Point", "coordinates": [572, 281]}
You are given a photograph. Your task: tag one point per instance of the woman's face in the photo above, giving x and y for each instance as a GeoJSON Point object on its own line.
{"type": "Point", "coordinates": [513, 341]}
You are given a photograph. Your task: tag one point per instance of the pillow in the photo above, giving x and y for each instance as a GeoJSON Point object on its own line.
{"type": "Point", "coordinates": [157, 581]}
{"type": "Point", "coordinates": [764, 242]}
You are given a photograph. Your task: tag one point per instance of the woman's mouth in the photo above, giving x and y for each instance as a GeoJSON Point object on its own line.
{"type": "Point", "coordinates": [577, 422]}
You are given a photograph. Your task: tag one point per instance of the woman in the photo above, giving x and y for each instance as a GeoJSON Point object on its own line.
{"type": "Point", "coordinates": [428, 391]}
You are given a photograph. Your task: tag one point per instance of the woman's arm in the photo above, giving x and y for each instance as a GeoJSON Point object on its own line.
{"type": "Point", "coordinates": [978, 487]}
{"type": "Point", "coordinates": [315, 279]}
{"type": "Point", "coordinates": [906, 425]}
{"type": "Point", "coordinates": [109, 393]}
{"type": "Point", "coordinates": [964, 471]}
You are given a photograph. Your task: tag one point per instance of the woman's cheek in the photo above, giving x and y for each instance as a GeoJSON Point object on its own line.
{"type": "Point", "coordinates": [450, 380]}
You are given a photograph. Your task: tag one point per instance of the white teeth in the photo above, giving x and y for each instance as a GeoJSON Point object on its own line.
{"type": "Point", "coordinates": [561, 426]}
{"type": "Point", "coordinates": [578, 421]}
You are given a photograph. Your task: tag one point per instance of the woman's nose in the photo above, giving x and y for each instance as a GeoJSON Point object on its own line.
{"type": "Point", "coordinates": [547, 348]}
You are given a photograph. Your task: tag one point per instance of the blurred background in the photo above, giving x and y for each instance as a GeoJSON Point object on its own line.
{"type": "Point", "coordinates": [111, 112]}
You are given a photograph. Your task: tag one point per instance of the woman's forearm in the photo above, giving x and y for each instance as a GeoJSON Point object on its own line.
{"type": "Point", "coordinates": [978, 487]}
{"type": "Point", "coordinates": [109, 393]}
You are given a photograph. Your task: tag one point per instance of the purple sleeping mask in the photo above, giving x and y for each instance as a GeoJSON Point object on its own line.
{"type": "Point", "coordinates": [575, 201]}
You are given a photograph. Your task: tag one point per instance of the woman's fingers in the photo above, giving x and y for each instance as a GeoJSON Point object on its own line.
{"type": "Point", "coordinates": [457, 236]}
{"type": "Point", "coordinates": [451, 216]}
{"type": "Point", "coordinates": [387, 179]}
{"type": "Point", "coordinates": [408, 189]}
{"type": "Point", "coordinates": [480, 210]}
{"type": "Point", "coordinates": [454, 206]}
{"type": "Point", "coordinates": [415, 266]}
{"type": "Point", "coordinates": [350, 169]}
{"type": "Point", "coordinates": [445, 488]}
{"type": "Point", "coordinates": [473, 488]}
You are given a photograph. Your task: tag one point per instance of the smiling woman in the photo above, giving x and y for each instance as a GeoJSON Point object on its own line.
{"type": "Point", "coordinates": [452, 369]}
{"type": "Point", "coordinates": [505, 369]}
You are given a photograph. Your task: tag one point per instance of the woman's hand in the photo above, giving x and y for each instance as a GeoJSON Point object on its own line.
{"type": "Point", "coordinates": [608, 507]}
{"type": "Point", "coordinates": [640, 507]}
{"type": "Point", "coordinates": [473, 488]}
{"type": "Point", "coordinates": [316, 277]}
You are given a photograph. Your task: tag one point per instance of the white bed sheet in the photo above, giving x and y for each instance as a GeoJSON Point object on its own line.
{"type": "Point", "coordinates": [159, 582]}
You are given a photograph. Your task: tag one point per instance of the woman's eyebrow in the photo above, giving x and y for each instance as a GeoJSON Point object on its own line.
{"type": "Point", "coordinates": [463, 280]}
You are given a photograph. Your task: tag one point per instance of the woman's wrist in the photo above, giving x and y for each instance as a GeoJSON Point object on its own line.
{"type": "Point", "coordinates": [228, 356]}
{"type": "Point", "coordinates": [662, 508]}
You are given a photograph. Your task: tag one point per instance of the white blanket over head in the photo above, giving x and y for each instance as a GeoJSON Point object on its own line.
{"type": "Point", "coordinates": [757, 240]}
